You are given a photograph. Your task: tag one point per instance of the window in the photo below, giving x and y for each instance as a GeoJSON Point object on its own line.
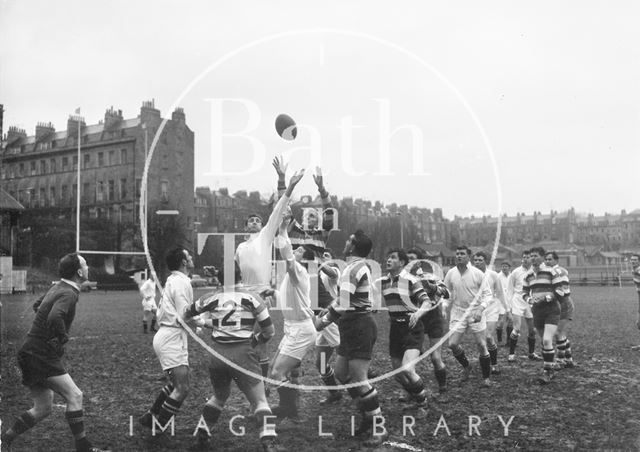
{"type": "Point", "coordinates": [100, 192]}
{"type": "Point", "coordinates": [74, 193]}
{"type": "Point", "coordinates": [21, 171]}
{"type": "Point", "coordinates": [43, 198]}
{"type": "Point", "coordinates": [64, 195]}
{"type": "Point", "coordinates": [12, 172]}
{"type": "Point", "coordinates": [112, 158]}
{"type": "Point", "coordinates": [86, 192]}
{"type": "Point", "coordinates": [138, 184]}
{"type": "Point", "coordinates": [43, 167]}
{"type": "Point", "coordinates": [75, 162]}
{"type": "Point", "coordinates": [87, 161]}
{"type": "Point", "coordinates": [33, 168]}
{"type": "Point", "coordinates": [54, 143]}
{"type": "Point", "coordinates": [123, 188]}
{"type": "Point", "coordinates": [164, 190]}
{"type": "Point", "coordinates": [52, 196]}
{"type": "Point", "coordinates": [65, 163]}
{"type": "Point", "coordinates": [123, 156]}
{"type": "Point", "coordinates": [100, 159]}
{"type": "Point", "coordinates": [52, 165]}
{"type": "Point", "coordinates": [112, 190]}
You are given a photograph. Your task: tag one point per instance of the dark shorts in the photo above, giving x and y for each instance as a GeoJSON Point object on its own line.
{"type": "Point", "coordinates": [403, 338]}
{"type": "Point", "coordinates": [358, 333]}
{"type": "Point", "coordinates": [434, 323]}
{"type": "Point", "coordinates": [566, 309]}
{"type": "Point", "coordinates": [244, 356]}
{"type": "Point", "coordinates": [36, 369]}
{"type": "Point", "coordinates": [545, 313]}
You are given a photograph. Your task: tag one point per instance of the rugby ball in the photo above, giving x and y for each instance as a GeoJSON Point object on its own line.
{"type": "Point", "coordinates": [286, 127]}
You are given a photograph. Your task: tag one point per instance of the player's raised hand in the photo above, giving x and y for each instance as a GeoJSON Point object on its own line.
{"type": "Point", "coordinates": [280, 166]}
{"type": "Point", "coordinates": [318, 179]}
{"type": "Point", "coordinates": [297, 177]}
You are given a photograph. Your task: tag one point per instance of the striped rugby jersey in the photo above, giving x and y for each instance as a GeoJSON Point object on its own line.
{"type": "Point", "coordinates": [546, 281]}
{"type": "Point", "coordinates": [433, 285]}
{"type": "Point", "coordinates": [354, 288]}
{"type": "Point", "coordinates": [636, 277]}
{"type": "Point", "coordinates": [233, 314]}
{"type": "Point", "coordinates": [566, 287]}
{"type": "Point", "coordinates": [403, 293]}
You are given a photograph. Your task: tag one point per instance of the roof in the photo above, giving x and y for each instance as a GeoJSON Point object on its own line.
{"type": "Point", "coordinates": [610, 254]}
{"type": "Point", "coordinates": [8, 202]}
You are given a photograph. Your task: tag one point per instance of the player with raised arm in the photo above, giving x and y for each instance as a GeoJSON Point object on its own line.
{"type": "Point", "coordinates": [564, 357]}
{"type": "Point", "coordinates": [466, 286]}
{"type": "Point", "coordinates": [253, 256]}
{"type": "Point", "coordinates": [520, 310]}
{"type": "Point", "coordinates": [496, 308]}
{"type": "Point", "coordinates": [232, 316]}
{"type": "Point", "coordinates": [543, 287]}
{"type": "Point", "coordinates": [358, 332]}
{"type": "Point", "coordinates": [311, 232]}
{"type": "Point", "coordinates": [299, 331]}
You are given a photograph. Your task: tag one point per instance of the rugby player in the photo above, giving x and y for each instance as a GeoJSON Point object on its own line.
{"type": "Point", "coordinates": [299, 330]}
{"type": "Point", "coordinates": [149, 308]}
{"type": "Point", "coordinates": [407, 303]}
{"type": "Point", "coordinates": [635, 265]}
{"type": "Point", "coordinates": [40, 357]}
{"type": "Point", "coordinates": [542, 288]}
{"type": "Point", "coordinates": [170, 342]}
{"type": "Point", "coordinates": [495, 309]}
{"type": "Point", "coordinates": [503, 276]}
{"type": "Point", "coordinates": [434, 321]}
{"type": "Point", "coordinates": [564, 357]}
{"type": "Point", "coordinates": [253, 256]}
{"type": "Point", "coordinates": [465, 284]}
{"type": "Point", "coordinates": [520, 310]}
{"type": "Point", "coordinates": [358, 332]}
{"type": "Point", "coordinates": [232, 316]}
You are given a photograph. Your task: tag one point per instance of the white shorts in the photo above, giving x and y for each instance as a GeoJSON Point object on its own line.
{"type": "Point", "coordinates": [170, 345]}
{"type": "Point", "coordinates": [299, 337]}
{"type": "Point", "coordinates": [148, 304]}
{"type": "Point", "coordinates": [457, 324]}
{"type": "Point", "coordinates": [492, 312]}
{"type": "Point", "coordinates": [522, 310]}
{"type": "Point", "coordinates": [329, 337]}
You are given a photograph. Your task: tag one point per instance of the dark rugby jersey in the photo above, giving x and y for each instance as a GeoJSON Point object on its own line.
{"type": "Point", "coordinates": [636, 277]}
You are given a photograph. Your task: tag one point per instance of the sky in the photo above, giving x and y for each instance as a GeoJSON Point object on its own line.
{"type": "Point", "coordinates": [473, 107]}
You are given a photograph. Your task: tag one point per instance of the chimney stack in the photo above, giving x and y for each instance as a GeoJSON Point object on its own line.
{"type": "Point", "coordinates": [43, 129]}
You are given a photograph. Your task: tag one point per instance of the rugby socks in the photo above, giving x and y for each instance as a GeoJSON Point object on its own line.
{"type": "Point", "coordinates": [499, 334]}
{"type": "Point", "coordinates": [485, 365]}
{"type": "Point", "coordinates": [22, 423]}
{"type": "Point", "coordinates": [75, 419]}
{"type": "Point", "coordinates": [561, 349]}
{"type": "Point", "coordinates": [441, 378]}
{"type": "Point", "coordinates": [369, 403]}
{"type": "Point", "coordinates": [144, 326]}
{"type": "Point", "coordinates": [461, 357]}
{"type": "Point", "coordinates": [288, 406]}
{"type": "Point", "coordinates": [294, 375]}
{"type": "Point", "coordinates": [567, 351]}
{"type": "Point", "coordinates": [169, 408]}
{"type": "Point", "coordinates": [532, 344]}
{"type": "Point", "coordinates": [416, 390]}
{"type": "Point", "coordinates": [548, 354]}
{"type": "Point", "coordinates": [509, 330]}
{"type": "Point", "coordinates": [493, 354]}
{"type": "Point", "coordinates": [513, 341]}
{"type": "Point", "coordinates": [329, 377]}
{"type": "Point", "coordinates": [211, 414]}
{"type": "Point", "coordinates": [155, 408]}
{"type": "Point", "coordinates": [153, 325]}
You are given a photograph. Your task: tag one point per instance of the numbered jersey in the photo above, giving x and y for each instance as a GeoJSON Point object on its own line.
{"type": "Point", "coordinates": [233, 314]}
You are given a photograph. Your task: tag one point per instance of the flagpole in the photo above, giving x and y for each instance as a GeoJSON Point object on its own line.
{"type": "Point", "coordinates": [78, 189]}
